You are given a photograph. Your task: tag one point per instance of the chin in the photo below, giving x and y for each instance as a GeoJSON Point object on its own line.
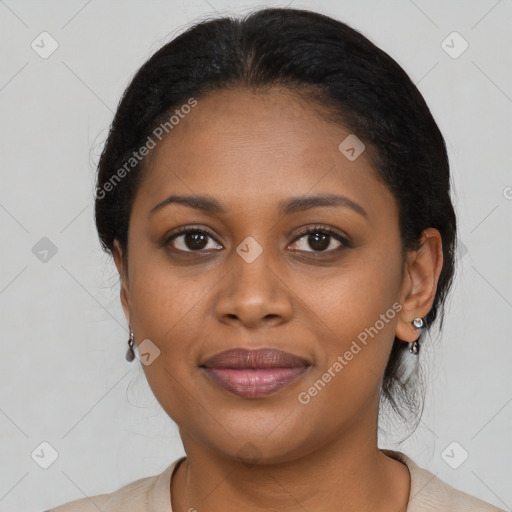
{"type": "Point", "coordinates": [260, 449]}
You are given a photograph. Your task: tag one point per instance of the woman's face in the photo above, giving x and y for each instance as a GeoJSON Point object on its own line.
{"type": "Point", "coordinates": [257, 281]}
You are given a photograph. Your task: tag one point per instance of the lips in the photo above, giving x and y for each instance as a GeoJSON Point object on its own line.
{"type": "Point", "coordinates": [262, 358]}
{"type": "Point", "coordinates": [254, 373]}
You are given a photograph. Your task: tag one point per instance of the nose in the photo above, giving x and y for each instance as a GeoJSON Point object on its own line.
{"type": "Point", "coordinates": [253, 293]}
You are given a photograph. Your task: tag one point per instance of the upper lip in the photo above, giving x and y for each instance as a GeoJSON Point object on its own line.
{"type": "Point", "coordinates": [261, 358]}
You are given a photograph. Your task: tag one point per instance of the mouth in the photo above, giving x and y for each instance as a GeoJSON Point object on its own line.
{"type": "Point", "coordinates": [254, 373]}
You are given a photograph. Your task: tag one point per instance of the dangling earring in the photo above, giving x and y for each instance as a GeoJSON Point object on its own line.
{"type": "Point", "coordinates": [130, 354]}
{"type": "Point", "coordinates": [415, 347]}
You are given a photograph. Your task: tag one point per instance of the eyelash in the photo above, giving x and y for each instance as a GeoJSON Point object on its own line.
{"type": "Point", "coordinates": [311, 230]}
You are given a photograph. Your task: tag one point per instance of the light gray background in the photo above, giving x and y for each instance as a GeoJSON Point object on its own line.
{"type": "Point", "coordinates": [64, 379]}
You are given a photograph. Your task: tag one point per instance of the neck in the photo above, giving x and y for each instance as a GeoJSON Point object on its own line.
{"type": "Point", "coordinates": [341, 475]}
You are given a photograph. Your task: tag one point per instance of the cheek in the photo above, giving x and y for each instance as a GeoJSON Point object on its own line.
{"type": "Point", "coordinates": [164, 298]}
{"type": "Point", "coordinates": [354, 306]}
{"type": "Point", "coordinates": [170, 307]}
{"type": "Point", "coordinates": [168, 310]}
{"type": "Point", "coordinates": [355, 336]}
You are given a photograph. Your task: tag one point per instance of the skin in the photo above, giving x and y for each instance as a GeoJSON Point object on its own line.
{"type": "Point", "coordinates": [250, 151]}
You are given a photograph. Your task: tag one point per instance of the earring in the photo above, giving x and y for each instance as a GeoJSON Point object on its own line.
{"type": "Point", "coordinates": [130, 354]}
{"type": "Point", "coordinates": [415, 347]}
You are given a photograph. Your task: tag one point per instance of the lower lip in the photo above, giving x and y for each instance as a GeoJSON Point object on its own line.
{"type": "Point", "coordinates": [254, 383]}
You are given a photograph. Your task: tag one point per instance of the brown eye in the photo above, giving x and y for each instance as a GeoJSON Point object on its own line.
{"type": "Point", "coordinates": [319, 240]}
{"type": "Point", "coordinates": [191, 240]}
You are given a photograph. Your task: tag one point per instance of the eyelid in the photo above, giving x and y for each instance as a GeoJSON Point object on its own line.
{"type": "Point", "coordinates": [191, 228]}
{"type": "Point", "coordinates": [344, 238]}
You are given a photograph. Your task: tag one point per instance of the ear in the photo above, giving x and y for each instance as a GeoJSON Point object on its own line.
{"type": "Point", "coordinates": [421, 274]}
{"type": "Point", "coordinates": [123, 273]}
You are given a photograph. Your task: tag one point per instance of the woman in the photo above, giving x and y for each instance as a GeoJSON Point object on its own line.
{"type": "Point", "coordinates": [276, 197]}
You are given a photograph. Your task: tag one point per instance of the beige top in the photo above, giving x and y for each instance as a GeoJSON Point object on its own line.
{"type": "Point", "coordinates": [153, 494]}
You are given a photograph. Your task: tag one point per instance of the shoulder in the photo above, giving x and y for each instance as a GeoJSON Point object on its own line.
{"type": "Point", "coordinates": [429, 493]}
{"type": "Point", "coordinates": [149, 494]}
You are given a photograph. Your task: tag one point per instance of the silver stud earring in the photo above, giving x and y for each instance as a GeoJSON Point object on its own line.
{"type": "Point", "coordinates": [415, 346]}
{"type": "Point", "coordinates": [130, 354]}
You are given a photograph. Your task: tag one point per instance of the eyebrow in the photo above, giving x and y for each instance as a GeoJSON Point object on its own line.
{"type": "Point", "coordinates": [292, 205]}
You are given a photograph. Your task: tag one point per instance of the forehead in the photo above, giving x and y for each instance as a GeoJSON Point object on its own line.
{"type": "Point", "coordinates": [251, 143]}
